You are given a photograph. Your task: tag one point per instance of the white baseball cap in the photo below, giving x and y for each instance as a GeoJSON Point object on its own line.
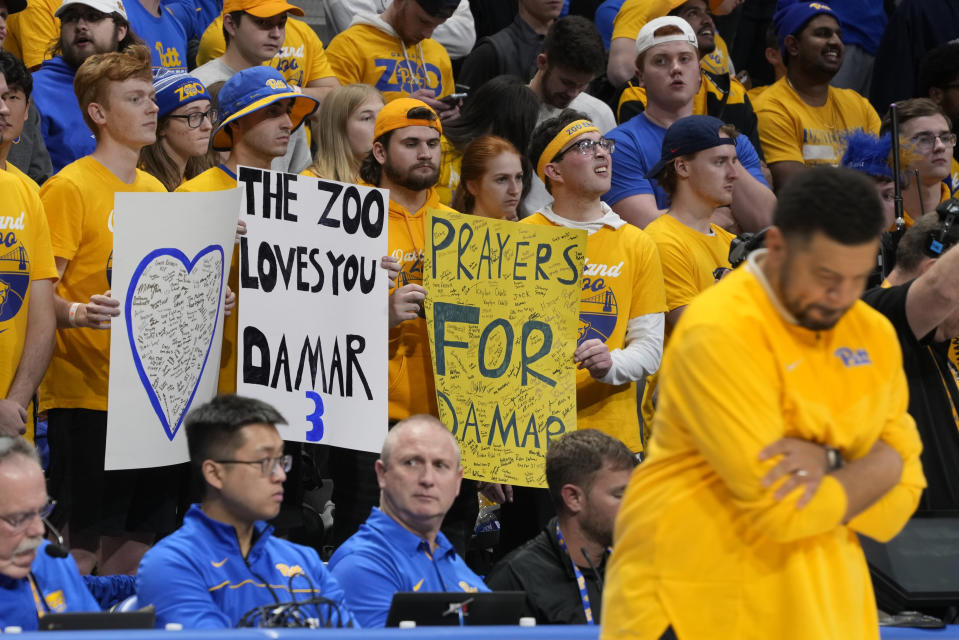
{"type": "Point", "coordinates": [646, 39]}
{"type": "Point", "coordinates": [103, 6]}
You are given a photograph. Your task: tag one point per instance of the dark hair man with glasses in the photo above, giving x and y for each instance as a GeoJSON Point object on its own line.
{"type": "Point", "coordinates": [926, 131]}
{"type": "Point", "coordinates": [223, 562]}
{"type": "Point", "coordinates": [31, 583]}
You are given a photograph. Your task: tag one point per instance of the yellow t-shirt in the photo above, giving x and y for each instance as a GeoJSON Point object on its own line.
{"type": "Point", "coordinates": [634, 14]}
{"type": "Point", "coordinates": [792, 131]}
{"type": "Point", "coordinates": [688, 258]}
{"type": "Point", "coordinates": [364, 53]}
{"type": "Point", "coordinates": [944, 195]}
{"type": "Point", "coordinates": [412, 388]}
{"type": "Point", "coordinates": [450, 164]}
{"type": "Point", "coordinates": [79, 205]}
{"type": "Point", "coordinates": [25, 256]}
{"type": "Point", "coordinates": [700, 544]}
{"type": "Point", "coordinates": [216, 179]}
{"type": "Point", "coordinates": [27, 180]}
{"type": "Point", "coordinates": [954, 178]}
{"type": "Point", "coordinates": [31, 32]}
{"type": "Point", "coordinates": [622, 280]}
{"type": "Point", "coordinates": [301, 59]}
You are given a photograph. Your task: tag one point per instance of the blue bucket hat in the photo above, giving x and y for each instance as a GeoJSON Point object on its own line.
{"type": "Point", "coordinates": [689, 135]}
{"type": "Point", "coordinates": [254, 89]}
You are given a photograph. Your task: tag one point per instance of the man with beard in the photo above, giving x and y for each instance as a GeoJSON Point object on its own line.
{"type": "Point", "coordinates": [572, 56]}
{"type": "Point", "coordinates": [587, 472]}
{"type": "Point", "coordinates": [86, 27]}
{"type": "Point", "coordinates": [404, 159]}
{"type": "Point", "coordinates": [802, 119]}
{"type": "Point", "coordinates": [744, 515]}
{"type": "Point", "coordinates": [32, 582]}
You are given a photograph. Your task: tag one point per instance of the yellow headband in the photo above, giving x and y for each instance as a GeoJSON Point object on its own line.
{"type": "Point", "coordinates": [570, 131]}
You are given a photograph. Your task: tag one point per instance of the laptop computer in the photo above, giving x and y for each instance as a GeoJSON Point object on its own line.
{"type": "Point", "coordinates": [83, 621]}
{"type": "Point", "coordinates": [443, 609]}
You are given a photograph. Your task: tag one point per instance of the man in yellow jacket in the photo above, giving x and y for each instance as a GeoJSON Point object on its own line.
{"type": "Point", "coordinates": [405, 159]}
{"type": "Point", "coordinates": [781, 434]}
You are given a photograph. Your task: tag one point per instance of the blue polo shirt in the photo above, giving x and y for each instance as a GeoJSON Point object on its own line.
{"type": "Point", "coordinates": [382, 558]}
{"type": "Point", "coordinates": [639, 144]}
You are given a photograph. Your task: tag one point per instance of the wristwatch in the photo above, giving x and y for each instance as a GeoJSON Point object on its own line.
{"type": "Point", "coordinates": [833, 459]}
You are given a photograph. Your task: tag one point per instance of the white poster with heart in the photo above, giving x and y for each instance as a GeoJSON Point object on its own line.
{"type": "Point", "coordinates": [171, 260]}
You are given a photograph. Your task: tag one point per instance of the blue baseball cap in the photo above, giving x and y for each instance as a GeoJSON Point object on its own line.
{"type": "Point", "coordinates": [251, 90]}
{"type": "Point", "coordinates": [689, 135]}
{"type": "Point", "coordinates": [175, 89]}
{"type": "Point", "coordinates": [792, 15]}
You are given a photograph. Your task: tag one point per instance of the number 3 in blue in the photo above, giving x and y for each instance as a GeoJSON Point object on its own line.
{"type": "Point", "coordinates": [316, 418]}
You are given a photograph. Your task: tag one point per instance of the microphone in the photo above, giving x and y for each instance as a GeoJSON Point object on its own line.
{"type": "Point", "coordinates": [55, 549]}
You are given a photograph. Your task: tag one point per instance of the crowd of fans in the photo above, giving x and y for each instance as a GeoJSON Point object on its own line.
{"type": "Point", "coordinates": [663, 128]}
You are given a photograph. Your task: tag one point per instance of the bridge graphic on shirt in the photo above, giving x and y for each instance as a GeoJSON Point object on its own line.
{"type": "Point", "coordinates": [14, 281]}
{"type": "Point", "coordinates": [18, 255]}
{"type": "Point", "coordinates": [597, 316]}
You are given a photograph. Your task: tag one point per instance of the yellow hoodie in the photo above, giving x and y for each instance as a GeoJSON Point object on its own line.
{"type": "Point", "coordinates": [371, 52]}
{"type": "Point", "coordinates": [699, 543]}
{"type": "Point", "coordinates": [412, 389]}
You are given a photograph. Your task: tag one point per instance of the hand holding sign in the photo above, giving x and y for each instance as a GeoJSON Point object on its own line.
{"type": "Point", "coordinates": [593, 355]}
{"type": "Point", "coordinates": [97, 313]}
{"type": "Point", "coordinates": [405, 303]}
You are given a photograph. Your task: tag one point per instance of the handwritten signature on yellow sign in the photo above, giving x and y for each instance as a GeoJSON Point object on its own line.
{"type": "Point", "coordinates": [502, 312]}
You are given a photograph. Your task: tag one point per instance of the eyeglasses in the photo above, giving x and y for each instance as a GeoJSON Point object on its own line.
{"type": "Point", "coordinates": [91, 16]}
{"type": "Point", "coordinates": [19, 521]}
{"type": "Point", "coordinates": [195, 119]}
{"type": "Point", "coordinates": [267, 465]}
{"type": "Point", "coordinates": [924, 142]}
{"type": "Point", "coordinates": [588, 147]}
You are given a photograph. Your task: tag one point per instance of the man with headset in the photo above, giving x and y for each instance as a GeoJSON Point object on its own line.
{"type": "Point", "coordinates": [921, 299]}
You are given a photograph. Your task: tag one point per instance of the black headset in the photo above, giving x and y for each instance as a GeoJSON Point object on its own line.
{"type": "Point", "coordinates": [939, 240]}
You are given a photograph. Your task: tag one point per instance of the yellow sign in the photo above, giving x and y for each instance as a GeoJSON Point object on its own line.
{"type": "Point", "coordinates": [502, 309]}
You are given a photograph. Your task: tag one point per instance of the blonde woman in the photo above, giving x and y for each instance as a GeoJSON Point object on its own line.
{"type": "Point", "coordinates": [344, 132]}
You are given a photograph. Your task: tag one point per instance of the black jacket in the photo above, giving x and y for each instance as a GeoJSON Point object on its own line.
{"type": "Point", "coordinates": [544, 571]}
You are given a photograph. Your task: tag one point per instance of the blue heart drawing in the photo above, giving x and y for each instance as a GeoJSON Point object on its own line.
{"type": "Point", "coordinates": [171, 308]}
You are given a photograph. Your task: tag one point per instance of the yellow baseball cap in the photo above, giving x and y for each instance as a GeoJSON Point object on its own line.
{"type": "Point", "coordinates": [395, 115]}
{"type": "Point", "coordinates": [261, 8]}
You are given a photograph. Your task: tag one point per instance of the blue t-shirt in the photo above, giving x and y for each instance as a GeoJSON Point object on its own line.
{"type": "Point", "coordinates": [195, 15]}
{"type": "Point", "coordinates": [862, 22]}
{"type": "Point", "coordinates": [65, 133]}
{"type": "Point", "coordinates": [605, 15]}
{"type": "Point", "coordinates": [60, 585]}
{"type": "Point", "coordinates": [163, 35]}
{"type": "Point", "coordinates": [639, 144]}
{"type": "Point", "coordinates": [382, 558]}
